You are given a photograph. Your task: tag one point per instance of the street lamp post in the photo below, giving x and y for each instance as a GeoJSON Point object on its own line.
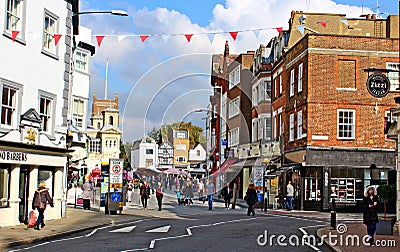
{"type": "Point", "coordinates": [220, 134]}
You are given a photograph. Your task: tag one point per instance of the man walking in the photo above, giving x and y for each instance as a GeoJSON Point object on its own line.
{"type": "Point", "coordinates": [226, 192]}
{"type": "Point", "coordinates": [210, 192]}
{"type": "Point", "coordinates": [289, 196]}
{"type": "Point", "coordinates": [144, 193]}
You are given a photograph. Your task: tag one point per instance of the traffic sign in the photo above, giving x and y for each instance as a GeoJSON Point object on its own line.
{"type": "Point", "coordinates": [115, 197]}
{"type": "Point", "coordinates": [116, 169]}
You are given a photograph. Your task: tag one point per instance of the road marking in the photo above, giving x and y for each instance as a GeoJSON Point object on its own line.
{"type": "Point", "coordinates": [189, 231]}
{"type": "Point", "coordinates": [77, 237]}
{"type": "Point", "coordinates": [159, 230]}
{"type": "Point", "coordinates": [123, 230]}
{"type": "Point", "coordinates": [305, 233]}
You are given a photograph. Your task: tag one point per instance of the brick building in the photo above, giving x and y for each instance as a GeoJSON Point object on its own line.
{"type": "Point", "coordinates": [333, 133]}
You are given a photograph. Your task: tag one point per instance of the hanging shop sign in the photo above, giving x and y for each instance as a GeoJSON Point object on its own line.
{"type": "Point", "coordinates": [378, 85]}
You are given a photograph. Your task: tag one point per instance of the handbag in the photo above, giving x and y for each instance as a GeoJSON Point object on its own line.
{"type": "Point", "coordinates": [32, 219]}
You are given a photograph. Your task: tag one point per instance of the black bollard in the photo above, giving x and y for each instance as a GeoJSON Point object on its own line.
{"type": "Point", "coordinates": [333, 219]}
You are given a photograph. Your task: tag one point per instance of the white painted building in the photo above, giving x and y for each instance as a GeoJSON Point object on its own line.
{"type": "Point", "coordinates": [144, 154]}
{"type": "Point", "coordinates": [35, 90]}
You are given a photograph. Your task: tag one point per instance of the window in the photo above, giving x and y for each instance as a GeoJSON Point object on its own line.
{"type": "Point", "coordinates": [233, 137]}
{"type": "Point", "coordinates": [181, 135]}
{"type": "Point", "coordinates": [149, 162]}
{"type": "Point", "coordinates": [149, 151]}
{"type": "Point", "coordinates": [15, 15]}
{"type": "Point", "coordinates": [275, 88]}
{"type": "Point", "coordinates": [50, 28]}
{"type": "Point", "coordinates": [98, 125]}
{"type": "Point", "coordinates": [8, 106]}
{"type": "Point", "coordinates": [268, 128]}
{"type": "Point", "coordinates": [95, 145]}
{"type": "Point", "coordinates": [347, 74]}
{"type": "Point", "coordinates": [393, 76]}
{"type": "Point", "coordinates": [267, 86]}
{"type": "Point", "coordinates": [198, 153]}
{"type": "Point", "coordinates": [262, 92]}
{"type": "Point", "coordinates": [300, 79]}
{"type": "Point", "coordinates": [111, 121]}
{"type": "Point", "coordinates": [280, 124]}
{"type": "Point", "coordinates": [4, 185]}
{"type": "Point", "coordinates": [291, 90]}
{"type": "Point", "coordinates": [254, 96]}
{"type": "Point", "coordinates": [181, 159]}
{"type": "Point", "coordinates": [299, 124]}
{"type": "Point", "coordinates": [280, 84]}
{"type": "Point", "coordinates": [234, 107]}
{"type": "Point", "coordinates": [81, 61]}
{"type": "Point", "coordinates": [346, 124]}
{"type": "Point", "coordinates": [46, 174]}
{"type": "Point", "coordinates": [234, 77]}
{"type": "Point", "coordinates": [255, 130]}
{"type": "Point", "coordinates": [79, 113]}
{"type": "Point", "coordinates": [291, 127]}
{"type": "Point", "coordinates": [45, 113]}
{"type": "Point", "coordinates": [274, 126]}
{"type": "Point", "coordinates": [388, 121]}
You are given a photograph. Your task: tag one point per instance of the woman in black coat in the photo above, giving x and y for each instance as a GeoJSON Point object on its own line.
{"type": "Point", "coordinates": [39, 202]}
{"type": "Point", "coordinates": [251, 199]}
{"type": "Point", "coordinates": [370, 215]}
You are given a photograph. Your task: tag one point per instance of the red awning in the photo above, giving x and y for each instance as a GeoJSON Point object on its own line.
{"type": "Point", "coordinates": [225, 165]}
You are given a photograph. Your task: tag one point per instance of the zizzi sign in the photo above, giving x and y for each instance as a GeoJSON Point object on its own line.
{"type": "Point", "coordinates": [13, 156]}
{"type": "Point", "coordinates": [378, 85]}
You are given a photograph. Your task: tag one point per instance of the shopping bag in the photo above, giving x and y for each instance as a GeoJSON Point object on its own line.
{"type": "Point", "coordinates": [32, 218]}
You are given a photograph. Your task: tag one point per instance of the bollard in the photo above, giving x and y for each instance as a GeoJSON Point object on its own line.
{"type": "Point", "coordinates": [333, 219]}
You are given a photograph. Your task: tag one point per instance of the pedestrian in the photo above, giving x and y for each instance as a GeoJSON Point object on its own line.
{"type": "Point", "coordinates": [159, 195]}
{"type": "Point", "coordinates": [226, 193]}
{"type": "Point", "coordinates": [87, 194]}
{"type": "Point", "coordinates": [129, 191]}
{"type": "Point", "coordinates": [181, 181]}
{"type": "Point", "coordinates": [188, 193]}
{"type": "Point", "coordinates": [176, 183]}
{"type": "Point", "coordinates": [370, 215]}
{"type": "Point", "coordinates": [251, 199]}
{"type": "Point", "coordinates": [289, 196]}
{"type": "Point", "coordinates": [39, 202]}
{"type": "Point", "coordinates": [210, 192]}
{"type": "Point", "coordinates": [178, 196]}
{"type": "Point", "coordinates": [144, 193]}
{"type": "Point", "coordinates": [201, 190]}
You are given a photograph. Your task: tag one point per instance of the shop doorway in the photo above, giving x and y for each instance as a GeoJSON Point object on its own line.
{"type": "Point", "coordinates": [23, 194]}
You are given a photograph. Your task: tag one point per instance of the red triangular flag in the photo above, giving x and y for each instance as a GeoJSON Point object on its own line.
{"type": "Point", "coordinates": [57, 38]}
{"type": "Point", "coordinates": [14, 34]}
{"type": "Point", "coordinates": [143, 37]}
{"type": "Point", "coordinates": [323, 24]}
{"type": "Point", "coordinates": [234, 35]}
{"type": "Point", "coordinates": [188, 37]}
{"type": "Point", "coordinates": [99, 39]}
{"type": "Point", "coordinates": [279, 29]}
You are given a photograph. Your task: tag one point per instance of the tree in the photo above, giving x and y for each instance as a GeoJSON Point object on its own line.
{"type": "Point", "coordinates": [155, 133]}
{"type": "Point", "coordinates": [125, 150]}
{"type": "Point", "coordinates": [195, 133]}
{"type": "Point", "coordinates": [387, 193]}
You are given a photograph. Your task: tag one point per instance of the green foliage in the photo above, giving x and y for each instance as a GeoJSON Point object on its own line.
{"type": "Point", "coordinates": [387, 192]}
{"type": "Point", "coordinates": [195, 133]}
{"type": "Point", "coordinates": [125, 149]}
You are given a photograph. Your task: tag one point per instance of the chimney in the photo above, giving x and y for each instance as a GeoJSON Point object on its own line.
{"type": "Point", "coordinates": [369, 16]}
{"type": "Point", "coordinates": [373, 16]}
{"type": "Point", "coordinates": [226, 53]}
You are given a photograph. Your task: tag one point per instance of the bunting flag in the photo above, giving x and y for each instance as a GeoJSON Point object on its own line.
{"type": "Point", "coordinates": [188, 37]}
{"type": "Point", "coordinates": [344, 21]}
{"type": "Point", "coordinates": [234, 35]}
{"type": "Point", "coordinates": [211, 37]}
{"type": "Point", "coordinates": [323, 24]}
{"type": "Point", "coordinates": [57, 38]}
{"type": "Point", "coordinates": [301, 29]}
{"type": "Point", "coordinates": [279, 29]}
{"type": "Point", "coordinates": [99, 39]}
{"type": "Point", "coordinates": [165, 38]}
{"type": "Point", "coordinates": [143, 37]}
{"type": "Point", "coordinates": [121, 37]}
{"type": "Point", "coordinates": [14, 35]}
{"type": "Point", "coordinates": [256, 33]}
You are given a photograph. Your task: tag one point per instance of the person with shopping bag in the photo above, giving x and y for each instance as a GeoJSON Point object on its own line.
{"type": "Point", "coordinates": [40, 200]}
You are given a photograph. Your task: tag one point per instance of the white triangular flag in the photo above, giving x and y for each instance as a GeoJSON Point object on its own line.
{"type": "Point", "coordinates": [256, 33]}
{"type": "Point", "coordinates": [121, 37]}
{"type": "Point", "coordinates": [165, 38]}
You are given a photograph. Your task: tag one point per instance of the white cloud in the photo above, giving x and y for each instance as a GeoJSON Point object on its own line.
{"type": "Point", "coordinates": [130, 59]}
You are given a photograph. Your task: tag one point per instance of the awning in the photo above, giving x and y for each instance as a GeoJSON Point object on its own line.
{"type": "Point", "coordinates": [280, 170]}
{"type": "Point", "coordinates": [175, 171]}
{"type": "Point", "coordinates": [225, 165]}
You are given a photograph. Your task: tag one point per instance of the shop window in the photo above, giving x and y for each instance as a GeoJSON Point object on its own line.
{"type": "Point", "coordinates": [313, 189]}
{"type": "Point", "coordinates": [46, 175]}
{"type": "Point", "coordinates": [4, 186]}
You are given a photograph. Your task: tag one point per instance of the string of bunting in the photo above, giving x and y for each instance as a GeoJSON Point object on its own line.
{"type": "Point", "coordinates": [188, 36]}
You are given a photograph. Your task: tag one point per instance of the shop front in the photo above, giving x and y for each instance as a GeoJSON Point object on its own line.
{"type": "Point", "coordinates": [22, 167]}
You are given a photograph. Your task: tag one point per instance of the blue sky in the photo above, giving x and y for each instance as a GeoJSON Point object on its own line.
{"type": "Point", "coordinates": [164, 81]}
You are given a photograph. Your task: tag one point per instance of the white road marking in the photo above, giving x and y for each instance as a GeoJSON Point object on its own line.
{"type": "Point", "coordinates": [306, 235]}
{"type": "Point", "coordinates": [159, 230]}
{"type": "Point", "coordinates": [77, 237]}
{"type": "Point", "coordinates": [123, 230]}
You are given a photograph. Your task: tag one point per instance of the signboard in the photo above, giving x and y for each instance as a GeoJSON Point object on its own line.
{"type": "Point", "coordinates": [258, 178]}
{"type": "Point", "coordinates": [378, 85]}
{"type": "Point", "coordinates": [116, 176]}
{"type": "Point", "coordinates": [116, 173]}
{"type": "Point", "coordinates": [224, 142]}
